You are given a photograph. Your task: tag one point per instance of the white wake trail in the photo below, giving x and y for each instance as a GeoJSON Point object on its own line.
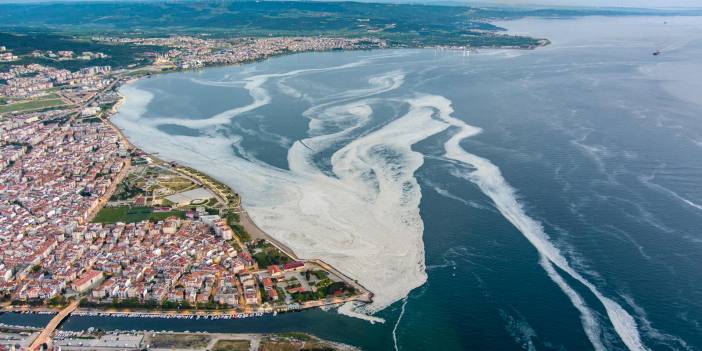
{"type": "Point", "coordinates": [590, 326]}
{"type": "Point", "coordinates": [649, 182]}
{"type": "Point", "coordinates": [489, 179]}
{"type": "Point", "coordinates": [399, 318]}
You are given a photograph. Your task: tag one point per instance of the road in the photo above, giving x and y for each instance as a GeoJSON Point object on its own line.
{"type": "Point", "coordinates": [110, 191]}
{"type": "Point", "coordinates": [45, 335]}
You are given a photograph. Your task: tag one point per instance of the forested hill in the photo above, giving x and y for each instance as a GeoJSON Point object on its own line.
{"type": "Point", "coordinates": [401, 24]}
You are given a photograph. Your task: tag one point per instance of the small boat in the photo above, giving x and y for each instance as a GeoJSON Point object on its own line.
{"type": "Point", "coordinates": [656, 53]}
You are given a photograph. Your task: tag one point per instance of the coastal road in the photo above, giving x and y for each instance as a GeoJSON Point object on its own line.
{"type": "Point", "coordinates": [45, 335]}
{"type": "Point", "coordinates": [258, 233]}
{"type": "Point", "coordinates": [110, 191]}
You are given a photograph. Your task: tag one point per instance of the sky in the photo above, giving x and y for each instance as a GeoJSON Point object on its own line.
{"type": "Point", "coordinates": [600, 3]}
{"type": "Point", "coordinates": [581, 3]}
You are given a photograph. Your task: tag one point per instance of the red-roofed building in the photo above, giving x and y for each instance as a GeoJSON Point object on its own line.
{"type": "Point", "coordinates": [140, 200]}
{"type": "Point", "coordinates": [87, 280]}
{"type": "Point", "coordinates": [295, 265]}
{"type": "Point", "coordinates": [275, 271]}
{"type": "Point", "coordinates": [247, 258]}
{"type": "Point", "coordinates": [273, 294]}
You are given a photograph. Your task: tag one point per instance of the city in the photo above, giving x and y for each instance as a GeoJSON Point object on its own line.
{"type": "Point", "coordinates": [341, 175]}
{"type": "Point", "coordinates": [87, 217]}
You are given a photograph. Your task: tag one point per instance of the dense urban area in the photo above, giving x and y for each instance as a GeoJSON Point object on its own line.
{"type": "Point", "coordinates": [88, 221]}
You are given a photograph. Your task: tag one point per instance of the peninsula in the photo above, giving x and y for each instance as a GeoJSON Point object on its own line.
{"type": "Point", "coordinates": [92, 225]}
{"type": "Point", "coordinates": [95, 225]}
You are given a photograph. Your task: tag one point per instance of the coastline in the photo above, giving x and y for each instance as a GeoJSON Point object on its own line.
{"type": "Point", "coordinates": [22, 337]}
{"type": "Point", "coordinates": [246, 221]}
{"type": "Point", "coordinates": [251, 228]}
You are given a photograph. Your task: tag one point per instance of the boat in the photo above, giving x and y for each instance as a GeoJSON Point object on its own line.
{"type": "Point", "coordinates": [656, 53]}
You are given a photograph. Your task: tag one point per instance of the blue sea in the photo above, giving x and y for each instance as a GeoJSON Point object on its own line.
{"type": "Point", "coordinates": [493, 200]}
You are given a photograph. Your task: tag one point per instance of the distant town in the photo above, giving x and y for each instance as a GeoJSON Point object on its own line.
{"type": "Point", "coordinates": [90, 223]}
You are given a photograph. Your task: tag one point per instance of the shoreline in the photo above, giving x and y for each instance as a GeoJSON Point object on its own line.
{"type": "Point", "coordinates": [365, 297]}
{"type": "Point", "coordinates": [124, 77]}
{"type": "Point", "coordinates": [245, 220]}
{"type": "Point", "coordinates": [251, 227]}
{"type": "Point", "coordinates": [257, 233]}
{"type": "Point", "coordinates": [163, 339]}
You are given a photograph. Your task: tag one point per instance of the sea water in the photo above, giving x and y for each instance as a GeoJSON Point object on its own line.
{"type": "Point", "coordinates": [506, 199]}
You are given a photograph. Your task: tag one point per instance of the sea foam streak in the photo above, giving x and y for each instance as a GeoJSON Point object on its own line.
{"type": "Point", "coordinates": [648, 180]}
{"type": "Point", "coordinates": [489, 179]}
{"type": "Point", "coordinates": [254, 85]}
{"type": "Point", "coordinates": [364, 219]}
{"type": "Point", "coordinates": [371, 205]}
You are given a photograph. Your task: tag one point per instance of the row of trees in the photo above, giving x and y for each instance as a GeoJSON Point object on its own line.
{"type": "Point", "coordinates": [135, 303]}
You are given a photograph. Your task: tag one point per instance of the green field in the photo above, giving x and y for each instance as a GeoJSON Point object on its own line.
{"type": "Point", "coordinates": [232, 345]}
{"type": "Point", "coordinates": [31, 105]}
{"type": "Point", "coordinates": [180, 341]}
{"type": "Point", "coordinates": [128, 214]}
{"type": "Point", "coordinates": [52, 94]}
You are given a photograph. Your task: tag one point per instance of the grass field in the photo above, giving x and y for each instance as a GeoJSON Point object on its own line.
{"type": "Point", "coordinates": [232, 345]}
{"type": "Point", "coordinates": [51, 95]}
{"type": "Point", "coordinates": [290, 345]}
{"type": "Point", "coordinates": [179, 341]}
{"type": "Point", "coordinates": [128, 214]}
{"type": "Point", "coordinates": [31, 105]}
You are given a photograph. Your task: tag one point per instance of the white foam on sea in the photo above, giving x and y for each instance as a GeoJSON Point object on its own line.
{"type": "Point", "coordinates": [445, 193]}
{"type": "Point", "coordinates": [648, 181]}
{"type": "Point", "coordinates": [587, 317]}
{"type": "Point", "coordinates": [362, 216]}
{"type": "Point", "coordinates": [397, 324]}
{"type": "Point", "coordinates": [671, 341]}
{"type": "Point", "coordinates": [489, 179]}
{"type": "Point", "coordinates": [350, 309]}
{"type": "Point", "coordinates": [370, 205]}
{"type": "Point", "coordinates": [254, 85]}
{"type": "Point", "coordinates": [364, 219]}
{"type": "Point", "coordinates": [520, 330]}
